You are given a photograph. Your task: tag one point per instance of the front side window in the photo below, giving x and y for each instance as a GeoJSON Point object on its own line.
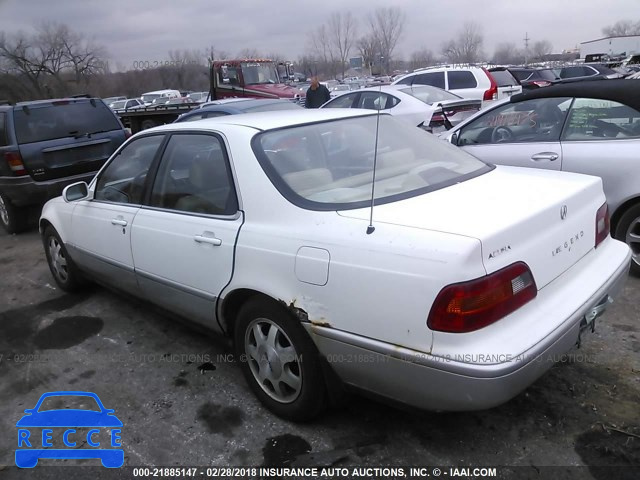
{"type": "Point", "coordinates": [329, 165]}
{"type": "Point", "coordinates": [195, 177]}
{"type": "Point", "coordinates": [435, 79]}
{"type": "Point", "coordinates": [123, 179]}
{"type": "Point", "coordinates": [592, 119]}
{"type": "Point", "coordinates": [536, 120]}
{"type": "Point", "coordinates": [461, 79]}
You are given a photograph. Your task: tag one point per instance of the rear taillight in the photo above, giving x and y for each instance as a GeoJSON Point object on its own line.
{"type": "Point", "coordinates": [603, 224]}
{"type": "Point", "coordinates": [127, 133]}
{"type": "Point", "coordinates": [541, 83]}
{"type": "Point", "coordinates": [14, 160]}
{"type": "Point", "coordinates": [492, 93]}
{"type": "Point", "coordinates": [468, 306]}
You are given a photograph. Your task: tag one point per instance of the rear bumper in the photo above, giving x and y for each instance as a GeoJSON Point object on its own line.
{"type": "Point", "coordinates": [434, 382]}
{"type": "Point", "coordinates": [23, 191]}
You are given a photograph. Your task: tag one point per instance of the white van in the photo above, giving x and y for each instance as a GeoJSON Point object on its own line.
{"type": "Point", "coordinates": [149, 97]}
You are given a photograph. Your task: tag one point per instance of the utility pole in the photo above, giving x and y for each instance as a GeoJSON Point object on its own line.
{"type": "Point", "coordinates": [526, 48]}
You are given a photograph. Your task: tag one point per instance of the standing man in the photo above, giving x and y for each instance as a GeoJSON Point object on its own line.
{"type": "Point", "coordinates": [317, 94]}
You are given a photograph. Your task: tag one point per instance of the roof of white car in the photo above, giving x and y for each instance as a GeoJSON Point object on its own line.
{"type": "Point", "coordinates": [268, 120]}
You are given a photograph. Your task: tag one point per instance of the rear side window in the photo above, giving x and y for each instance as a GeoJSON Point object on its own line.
{"type": "Point", "coordinates": [462, 79]}
{"type": "Point", "coordinates": [63, 119]}
{"type": "Point", "coordinates": [3, 130]}
{"type": "Point", "coordinates": [502, 77]}
{"type": "Point", "coordinates": [571, 72]}
{"type": "Point", "coordinates": [376, 101]}
{"type": "Point", "coordinates": [521, 75]}
{"type": "Point", "coordinates": [435, 79]}
{"type": "Point", "coordinates": [343, 101]}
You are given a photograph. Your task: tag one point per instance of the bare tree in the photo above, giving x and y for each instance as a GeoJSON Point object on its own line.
{"type": "Point", "coordinates": [622, 27]}
{"type": "Point", "coordinates": [322, 49]}
{"type": "Point", "coordinates": [541, 49]}
{"type": "Point", "coordinates": [387, 25]}
{"type": "Point", "coordinates": [467, 47]}
{"type": "Point", "coordinates": [54, 52]}
{"type": "Point", "coordinates": [249, 53]}
{"type": "Point", "coordinates": [507, 53]}
{"type": "Point", "coordinates": [342, 34]}
{"type": "Point", "coordinates": [369, 49]}
{"type": "Point", "coordinates": [421, 58]}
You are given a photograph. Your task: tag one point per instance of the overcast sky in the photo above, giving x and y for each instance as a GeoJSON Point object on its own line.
{"type": "Point", "coordinates": [145, 30]}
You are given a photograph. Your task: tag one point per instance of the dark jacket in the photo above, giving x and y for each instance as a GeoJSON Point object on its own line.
{"type": "Point", "coordinates": [317, 97]}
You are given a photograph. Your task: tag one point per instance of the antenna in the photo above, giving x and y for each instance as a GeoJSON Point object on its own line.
{"type": "Point", "coordinates": [371, 228]}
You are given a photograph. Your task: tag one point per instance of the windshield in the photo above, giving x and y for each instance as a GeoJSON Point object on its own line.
{"type": "Point", "coordinates": [329, 165]}
{"type": "Point", "coordinates": [150, 97]}
{"type": "Point", "coordinates": [429, 95]}
{"type": "Point", "coordinates": [259, 73]}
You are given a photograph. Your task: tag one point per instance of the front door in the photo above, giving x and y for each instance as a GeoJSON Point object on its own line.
{"type": "Point", "coordinates": [101, 226]}
{"type": "Point", "coordinates": [521, 134]}
{"type": "Point", "coordinates": [183, 240]}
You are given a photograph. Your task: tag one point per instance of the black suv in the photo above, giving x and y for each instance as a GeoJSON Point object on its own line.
{"type": "Point", "coordinates": [46, 145]}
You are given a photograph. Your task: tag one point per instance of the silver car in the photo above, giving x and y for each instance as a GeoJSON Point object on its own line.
{"type": "Point", "coordinates": [587, 127]}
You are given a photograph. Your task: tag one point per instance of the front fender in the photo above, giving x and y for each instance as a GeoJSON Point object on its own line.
{"type": "Point", "coordinates": [58, 214]}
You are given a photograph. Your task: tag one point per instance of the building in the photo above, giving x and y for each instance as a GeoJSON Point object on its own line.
{"type": "Point", "coordinates": [612, 46]}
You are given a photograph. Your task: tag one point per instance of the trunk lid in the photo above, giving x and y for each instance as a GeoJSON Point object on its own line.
{"type": "Point", "coordinates": [545, 219]}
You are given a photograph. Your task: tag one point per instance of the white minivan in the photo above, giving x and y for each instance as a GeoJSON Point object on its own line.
{"type": "Point", "coordinates": [149, 97]}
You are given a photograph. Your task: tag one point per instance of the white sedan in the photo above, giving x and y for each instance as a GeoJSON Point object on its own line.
{"type": "Point", "coordinates": [431, 108]}
{"type": "Point", "coordinates": [466, 286]}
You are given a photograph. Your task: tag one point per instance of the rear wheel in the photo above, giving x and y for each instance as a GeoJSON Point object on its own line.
{"type": "Point", "coordinates": [147, 124]}
{"type": "Point", "coordinates": [628, 231]}
{"type": "Point", "coordinates": [12, 218]}
{"type": "Point", "coordinates": [64, 271]}
{"type": "Point", "coordinates": [279, 360]}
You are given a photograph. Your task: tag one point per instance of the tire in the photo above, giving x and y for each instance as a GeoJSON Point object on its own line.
{"type": "Point", "coordinates": [628, 231]}
{"type": "Point", "coordinates": [292, 386]}
{"type": "Point", "coordinates": [64, 271]}
{"type": "Point", "coordinates": [147, 124]}
{"type": "Point", "coordinates": [12, 218]}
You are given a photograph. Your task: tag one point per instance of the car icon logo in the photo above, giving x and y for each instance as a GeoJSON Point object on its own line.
{"type": "Point", "coordinates": [53, 430]}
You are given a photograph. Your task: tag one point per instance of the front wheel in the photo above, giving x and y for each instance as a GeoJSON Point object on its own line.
{"type": "Point", "coordinates": [279, 360]}
{"type": "Point", "coordinates": [628, 231]}
{"type": "Point", "coordinates": [64, 271]}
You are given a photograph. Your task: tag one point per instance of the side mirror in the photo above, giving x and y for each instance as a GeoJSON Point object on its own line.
{"type": "Point", "coordinates": [75, 191]}
{"type": "Point", "coordinates": [454, 139]}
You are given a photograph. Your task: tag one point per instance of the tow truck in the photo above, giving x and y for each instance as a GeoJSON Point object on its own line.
{"type": "Point", "coordinates": [247, 77]}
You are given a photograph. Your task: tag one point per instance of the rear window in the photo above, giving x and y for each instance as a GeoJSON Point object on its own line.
{"type": "Point", "coordinates": [63, 119]}
{"type": "Point", "coordinates": [502, 77]}
{"type": "Point", "coordinates": [547, 75]}
{"type": "Point", "coordinates": [435, 79]}
{"type": "Point", "coordinates": [428, 94]}
{"type": "Point", "coordinates": [462, 79]}
{"type": "Point", "coordinates": [329, 165]}
{"type": "Point", "coordinates": [522, 75]}
{"type": "Point", "coordinates": [3, 130]}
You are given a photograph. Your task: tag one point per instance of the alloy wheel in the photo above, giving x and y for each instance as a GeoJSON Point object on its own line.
{"type": "Point", "coordinates": [632, 238]}
{"type": "Point", "coordinates": [4, 213]}
{"type": "Point", "coordinates": [58, 260]}
{"type": "Point", "coordinates": [273, 360]}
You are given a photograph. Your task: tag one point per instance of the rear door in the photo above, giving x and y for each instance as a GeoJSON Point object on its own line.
{"type": "Point", "coordinates": [602, 138]}
{"type": "Point", "coordinates": [67, 137]}
{"type": "Point", "coordinates": [183, 240]}
{"type": "Point", "coordinates": [464, 83]}
{"type": "Point", "coordinates": [522, 134]}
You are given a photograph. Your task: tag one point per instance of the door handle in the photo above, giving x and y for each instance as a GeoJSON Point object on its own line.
{"type": "Point", "coordinates": [549, 156]}
{"type": "Point", "coordinates": [119, 221]}
{"type": "Point", "coordinates": [216, 242]}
